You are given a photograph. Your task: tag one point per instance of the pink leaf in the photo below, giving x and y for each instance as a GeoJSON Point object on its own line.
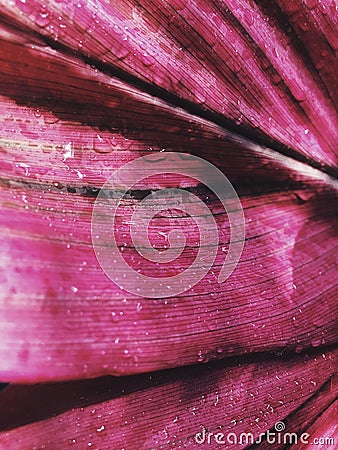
{"type": "Point", "coordinates": [168, 409]}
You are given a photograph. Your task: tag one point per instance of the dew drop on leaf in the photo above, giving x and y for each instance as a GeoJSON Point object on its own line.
{"type": "Point", "coordinates": [101, 144]}
{"type": "Point", "coordinates": [248, 17]}
{"type": "Point", "coordinates": [181, 4]}
{"type": "Point", "coordinates": [299, 348]}
{"type": "Point", "coordinates": [316, 342]}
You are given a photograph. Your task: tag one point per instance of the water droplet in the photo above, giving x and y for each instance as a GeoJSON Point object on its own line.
{"type": "Point", "coordinates": [294, 321]}
{"type": "Point", "coordinates": [303, 196]}
{"type": "Point", "coordinates": [333, 8]}
{"type": "Point", "coordinates": [25, 6]}
{"type": "Point", "coordinates": [43, 18]}
{"type": "Point", "coordinates": [316, 342]}
{"type": "Point", "coordinates": [101, 144]}
{"type": "Point", "coordinates": [323, 9]}
{"type": "Point", "coordinates": [298, 92]}
{"type": "Point", "coordinates": [200, 95]}
{"type": "Point", "coordinates": [181, 4]}
{"type": "Point", "coordinates": [248, 17]}
{"type": "Point", "coordinates": [200, 357]}
{"type": "Point", "coordinates": [115, 317]}
{"type": "Point", "coordinates": [291, 6]}
{"type": "Point", "coordinates": [118, 30]}
{"type": "Point", "coordinates": [299, 349]}
{"type": "Point", "coordinates": [46, 148]}
{"type": "Point", "coordinates": [311, 3]}
{"type": "Point", "coordinates": [319, 322]}
{"type": "Point", "coordinates": [235, 63]}
{"type": "Point", "coordinates": [275, 77]}
{"type": "Point", "coordinates": [239, 120]}
{"type": "Point", "coordinates": [147, 60]}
